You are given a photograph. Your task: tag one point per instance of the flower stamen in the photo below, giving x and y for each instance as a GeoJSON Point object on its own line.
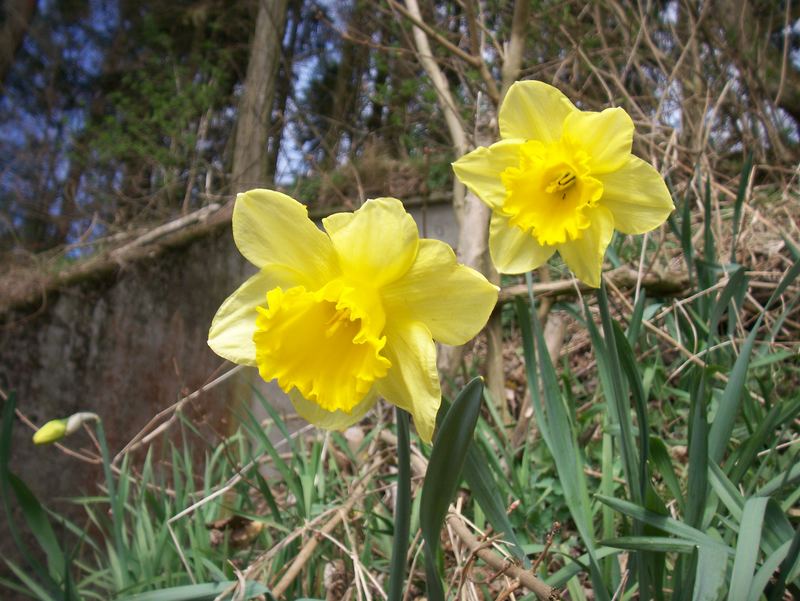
{"type": "Point", "coordinates": [561, 183]}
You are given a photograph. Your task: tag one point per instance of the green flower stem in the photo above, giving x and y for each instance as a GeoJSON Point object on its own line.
{"type": "Point", "coordinates": [402, 509]}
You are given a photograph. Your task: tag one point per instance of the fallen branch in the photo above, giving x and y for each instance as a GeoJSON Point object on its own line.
{"type": "Point", "coordinates": [672, 284]}
{"type": "Point", "coordinates": [492, 559]}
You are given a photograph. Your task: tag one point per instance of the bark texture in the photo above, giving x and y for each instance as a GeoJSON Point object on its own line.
{"type": "Point", "coordinates": [252, 125]}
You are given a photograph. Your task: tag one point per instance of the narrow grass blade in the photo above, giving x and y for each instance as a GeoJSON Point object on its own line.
{"type": "Point", "coordinates": [709, 248]}
{"type": "Point", "coordinates": [785, 478]}
{"type": "Point", "coordinates": [686, 237]}
{"type": "Point", "coordinates": [37, 589]}
{"type": "Point", "coordinates": [612, 378]}
{"type": "Point", "coordinates": [117, 502]}
{"type": "Point", "coordinates": [444, 473]}
{"type": "Point", "coordinates": [576, 565]}
{"type": "Point", "coordinates": [635, 323]}
{"type": "Point", "coordinates": [664, 523]}
{"type": "Point", "coordinates": [789, 277]}
{"type": "Point", "coordinates": [484, 488]}
{"type": "Point", "coordinates": [748, 544]}
{"type": "Point", "coordinates": [662, 462]}
{"type": "Point", "coordinates": [737, 283]}
{"type": "Point", "coordinates": [5, 493]}
{"type": "Point", "coordinates": [276, 418]}
{"type": "Point", "coordinates": [763, 435]}
{"type": "Point", "coordinates": [765, 573]}
{"type": "Point", "coordinates": [710, 575]}
{"type": "Point", "coordinates": [290, 476]}
{"type": "Point", "coordinates": [39, 525]}
{"type": "Point", "coordinates": [697, 491]}
{"type": "Point", "coordinates": [790, 566]}
{"type": "Point", "coordinates": [201, 592]}
{"type": "Point", "coordinates": [627, 361]}
{"type": "Point", "coordinates": [725, 418]}
{"type": "Point", "coordinates": [402, 509]}
{"type": "Point", "coordinates": [554, 422]}
{"type": "Point", "coordinates": [651, 543]}
{"type": "Point", "coordinates": [744, 180]}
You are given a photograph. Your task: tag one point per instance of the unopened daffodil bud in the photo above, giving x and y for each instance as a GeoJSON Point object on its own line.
{"type": "Point", "coordinates": [56, 429]}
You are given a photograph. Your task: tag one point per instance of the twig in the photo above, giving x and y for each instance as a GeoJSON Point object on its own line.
{"type": "Point", "coordinates": [308, 549]}
{"type": "Point", "coordinates": [531, 582]}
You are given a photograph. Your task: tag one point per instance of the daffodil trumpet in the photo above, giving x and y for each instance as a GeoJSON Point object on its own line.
{"type": "Point", "coordinates": [561, 179]}
{"type": "Point", "coordinates": [341, 316]}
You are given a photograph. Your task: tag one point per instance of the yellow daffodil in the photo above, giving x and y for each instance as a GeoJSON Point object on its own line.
{"type": "Point", "coordinates": [56, 429]}
{"type": "Point", "coordinates": [341, 316]}
{"type": "Point", "coordinates": [561, 179]}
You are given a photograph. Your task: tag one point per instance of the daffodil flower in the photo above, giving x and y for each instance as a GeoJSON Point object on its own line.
{"type": "Point", "coordinates": [561, 179]}
{"type": "Point", "coordinates": [56, 429]}
{"type": "Point", "coordinates": [342, 316]}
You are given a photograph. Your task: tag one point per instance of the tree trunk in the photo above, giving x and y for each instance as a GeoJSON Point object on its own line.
{"type": "Point", "coordinates": [252, 126]}
{"type": "Point", "coordinates": [283, 88]}
{"type": "Point", "coordinates": [17, 17]}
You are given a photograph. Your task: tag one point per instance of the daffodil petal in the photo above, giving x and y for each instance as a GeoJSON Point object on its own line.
{"type": "Point", "coordinates": [452, 300]}
{"type": "Point", "coordinates": [480, 170]}
{"type": "Point", "coordinates": [585, 255]}
{"type": "Point", "coordinates": [270, 228]}
{"type": "Point", "coordinates": [514, 250]}
{"type": "Point", "coordinates": [377, 244]}
{"type": "Point", "coordinates": [637, 197]}
{"type": "Point", "coordinates": [232, 329]}
{"type": "Point", "coordinates": [607, 137]}
{"type": "Point", "coordinates": [52, 431]}
{"type": "Point", "coordinates": [331, 420]}
{"type": "Point", "coordinates": [412, 382]}
{"type": "Point", "coordinates": [534, 110]}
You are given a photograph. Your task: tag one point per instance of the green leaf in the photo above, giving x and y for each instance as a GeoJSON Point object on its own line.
{"type": "Point", "coordinates": [724, 420]}
{"type": "Point", "coordinates": [576, 565]}
{"type": "Point", "coordinates": [289, 475]}
{"type": "Point", "coordinates": [117, 502]}
{"type": "Point", "coordinates": [200, 592]}
{"type": "Point", "coordinates": [747, 548]}
{"type": "Point", "coordinates": [33, 586]}
{"type": "Point", "coordinates": [747, 169]}
{"type": "Point", "coordinates": [662, 462]}
{"type": "Point", "coordinates": [790, 566]}
{"type": "Point", "coordinates": [789, 277]}
{"type": "Point", "coordinates": [5, 494]}
{"type": "Point", "coordinates": [736, 284]}
{"type": "Point", "coordinates": [697, 491]}
{"type": "Point", "coordinates": [39, 524]}
{"type": "Point", "coordinates": [664, 523]}
{"type": "Point", "coordinates": [444, 472]}
{"type": "Point", "coordinates": [710, 576]}
{"type": "Point", "coordinates": [764, 574]}
{"type": "Point", "coordinates": [611, 379]}
{"type": "Point", "coordinates": [651, 543]}
{"type": "Point", "coordinates": [786, 478]}
{"type": "Point", "coordinates": [554, 422]}
{"type": "Point", "coordinates": [484, 488]}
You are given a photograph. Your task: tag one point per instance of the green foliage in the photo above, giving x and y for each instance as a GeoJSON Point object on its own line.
{"type": "Point", "coordinates": [450, 446]}
{"type": "Point", "coordinates": [670, 469]}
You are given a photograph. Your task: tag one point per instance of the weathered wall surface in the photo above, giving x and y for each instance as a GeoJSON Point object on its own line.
{"type": "Point", "coordinates": [126, 346]}
{"type": "Point", "coordinates": [123, 347]}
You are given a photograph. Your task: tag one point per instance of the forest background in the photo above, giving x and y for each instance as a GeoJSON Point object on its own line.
{"type": "Point", "coordinates": [126, 128]}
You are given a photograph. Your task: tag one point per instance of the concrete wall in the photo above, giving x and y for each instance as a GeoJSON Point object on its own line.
{"type": "Point", "coordinates": [127, 346]}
